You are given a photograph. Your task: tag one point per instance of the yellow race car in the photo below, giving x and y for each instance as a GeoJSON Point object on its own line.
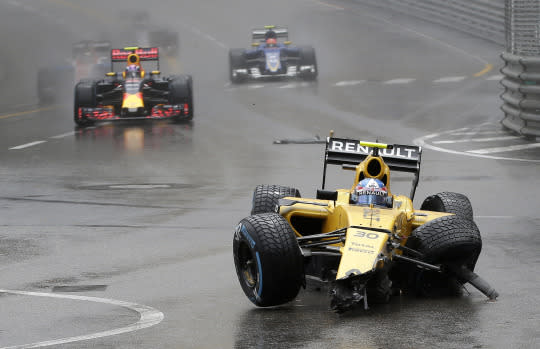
{"type": "Point", "coordinates": [364, 242]}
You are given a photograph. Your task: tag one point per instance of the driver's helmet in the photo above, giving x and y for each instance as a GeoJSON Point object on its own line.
{"type": "Point", "coordinates": [270, 35]}
{"type": "Point", "coordinates": [370, 191]}
{"type": "Point", "coordinates": [271, 42]}
{"type": "Point", "coordinates": [133, 70]}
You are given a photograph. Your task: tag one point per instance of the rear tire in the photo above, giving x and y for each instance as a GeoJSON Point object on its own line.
{"type": "Point", "coordinates": [181, 92]}
{"type": "Point", "coordinates": [84, 96]}
{"type": "Point", "coordinates": [266, 197]}
{"type": "Point", "coordinates": [448, 240]}
{"type": "Point", "coordinates": [267, 259]}
{"type": "Point", "coordinates": [455, 203]}
{"type": "Point", "coordinates": [236, 61]}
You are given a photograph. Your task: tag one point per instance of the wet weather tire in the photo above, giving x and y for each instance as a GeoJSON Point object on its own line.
{"type": "Point", "coordinates": [448, 240]}
{"type": "Point", "coordinates": [449, 202]}
{"type": "Point", "coordinates": [307, 57]}
{"type": "Point", "coordinates": [266, 197]}
{"type": "Point", "coordinates": [236, 61]}
{"type": "Point", "coordinates": [181, 92]}
{"type": "Point", "coordinates": [268, 260]}
{"type": "Point", "coordinates": [84, 96]}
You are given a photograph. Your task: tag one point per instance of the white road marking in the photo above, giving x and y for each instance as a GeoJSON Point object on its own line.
{"type": "Point", "coordinates": [450, 79]}
{"type": "Point", "coordinates": [31, 144]}
{"type": "Point", "coordinates": [477, 133]}
{"type": "Point", "coordinates": [421, 141]}
{"type": "Point", "coordinates": [328, 5]}
{"type": "Point", "coordinates": [349, 83]}
{"type": "Point", "coordinates": [468, 140]}
{"type": "Point", "coordinates": [494, 77]}
{"type": "Point", "coordinates": [255, 86]}
{"type": "Point", "coordinates": [203, 34]}
{"type": "Point", "coordinates": [63, 135]}
{"type": "Point", "coordinates": [148, 317]}
{"type": "Point", "coordinates": [398, 81]}
{"type": "Point", "coordinates": [288, 86]}
{"type": "Point", "coordinates": [505, 149]}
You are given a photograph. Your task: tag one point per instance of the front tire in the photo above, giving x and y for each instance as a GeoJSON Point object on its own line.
{"type": "Point", "coordinates": [307, 57]}
{"type": "Point", "coordinates": [84, 96]}
{"type": "Point", "coordinates": [267, 259]}
{"type": "Point", "coordinates": [236, 61]}
{"type": "Point", "coordinates": [448, 240]}
{"type": "Point", "coordinates": [266, 197]}
{"type": "Point", "coordinates": [181, 92]}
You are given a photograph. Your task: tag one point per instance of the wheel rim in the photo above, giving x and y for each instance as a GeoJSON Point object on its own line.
{"type": "Point", "coordinates": [248, 266]}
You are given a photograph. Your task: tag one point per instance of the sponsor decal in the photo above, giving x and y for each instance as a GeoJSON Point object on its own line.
{"type": "Point", "coordinates": [273, 62]}
{"type": "Point", "coordinates": [352, 146]}
{"type": "Point", "coordinates": [241, 229]}
{"type": "Point", "coordinates": [374, 214]}
{"type": "Point", "coordinates": [359, 250]}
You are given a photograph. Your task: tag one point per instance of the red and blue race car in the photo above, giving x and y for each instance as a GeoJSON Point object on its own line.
{"type": "Point", "coordinates": [272, 56]}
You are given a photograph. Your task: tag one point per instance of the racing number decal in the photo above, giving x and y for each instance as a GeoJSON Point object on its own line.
{"type": "Point", "coordinates": [370, 235]}
{"type": "Point", "coordinates": [363, 247]}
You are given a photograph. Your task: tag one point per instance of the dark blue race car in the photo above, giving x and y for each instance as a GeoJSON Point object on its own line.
{"type": "Point", "coordinates": [272, 56]}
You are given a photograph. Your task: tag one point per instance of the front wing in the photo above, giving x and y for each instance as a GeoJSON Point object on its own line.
{"type": "Point", "coordinates": [108, 113]}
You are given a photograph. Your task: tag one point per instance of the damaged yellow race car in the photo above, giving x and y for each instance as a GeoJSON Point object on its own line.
{"type": "Point", "coordinates": [364, 242]}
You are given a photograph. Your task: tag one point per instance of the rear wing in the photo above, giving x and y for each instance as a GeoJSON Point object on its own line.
{"type": "Point", "coordinates": [101, 46]}
{"type": "Point", "coordinates": [144, 53]}
{"type": "Point", "coordinates": [262, 33]}
{"type": "Point", "coordinates": [89, 46]}
{"type": "Point", "coordinates": [398, 157]}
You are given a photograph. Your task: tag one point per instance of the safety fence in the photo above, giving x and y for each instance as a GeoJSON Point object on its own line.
{"type": "Point", "coordinates": [521, 96]}
{"type": "Point", "coordinates": [481, 18]}
{"type": "Point", "coordinates": [514, 24]}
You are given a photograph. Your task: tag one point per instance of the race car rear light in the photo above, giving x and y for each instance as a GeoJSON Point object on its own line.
{"type": "Point", "coordinates": [186, 108]}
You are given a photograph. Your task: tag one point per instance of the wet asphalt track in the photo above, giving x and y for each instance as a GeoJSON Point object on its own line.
{"type": "Point", "coordinates": [144, 213]}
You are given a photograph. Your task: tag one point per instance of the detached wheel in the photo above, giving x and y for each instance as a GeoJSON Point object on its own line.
{"type": "Point", "coordinates": [266, 197]}
{"type": "Point", "coordinates": [84, 96]}
{"type": "Point", "coordinates": [449, 202]}
{"type": "Point", "coordinates": [268, 260]}
{"type": "Point", "coordinates": [307, 57]}
{"type": "Point", "coordinates": [236, 61]}
{"type": "Point", "coordinates": [181, 92]}
{"type": "Point", "coordinates": [449, 240]}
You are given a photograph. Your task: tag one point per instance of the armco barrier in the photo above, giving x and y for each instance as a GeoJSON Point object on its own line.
{"type": "Point", "coordinates": [521, 96]}
{"type": "Point", "coordinates": [481, 18]}
{"type": "Point", "coordinates": [510, 23]}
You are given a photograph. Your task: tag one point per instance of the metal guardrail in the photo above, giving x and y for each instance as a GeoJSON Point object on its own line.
{"type": "Point", "coordinates": [514, 24]}
{"type": "Point", "coordinates": [521, 94]}
{"type": "Point", "coordinates": [480, 18]}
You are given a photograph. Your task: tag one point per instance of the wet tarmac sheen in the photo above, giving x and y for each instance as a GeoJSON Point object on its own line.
{"type": "Point", "coordinates": [144, 213]}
